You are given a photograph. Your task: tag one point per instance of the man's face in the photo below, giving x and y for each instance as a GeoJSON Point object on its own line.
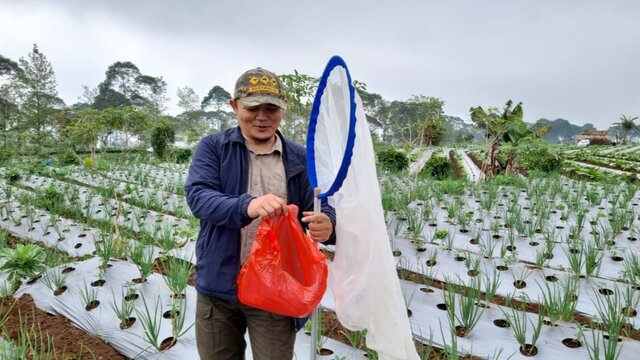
{"type": "Point", "coordinates": [258, 123]}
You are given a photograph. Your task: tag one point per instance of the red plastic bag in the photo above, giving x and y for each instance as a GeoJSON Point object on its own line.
{"type": "Point", "coordinates": [285, 272]}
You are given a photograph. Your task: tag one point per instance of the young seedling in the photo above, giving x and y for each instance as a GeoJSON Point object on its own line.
{"type": "Point", "coordinates": [54, 279]}
{"type": "Point", "coordinates": [151, 320]}
{"type": "Point", "coordinates": [518, 321]}
{"type": "Point", "coordinates": [123, 310]}
{"type": "Point", "coordinates": [559, 301]}
{"type": "Point", "coordinates": [89, 296]}
{"type": "Point", "coordinates": [176, 275]}
{"type": "Point", "coordinates": [593, 260]}
{"type": "Point", "coordinates": [143, 257]}
{"type": "Point", "coordinates": [470, 312]}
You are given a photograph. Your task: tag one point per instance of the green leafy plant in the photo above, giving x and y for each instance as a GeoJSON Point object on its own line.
{"type": "Point", "coordinates": [176, 276]}
{"type": "Point", "coordinates": [23, 261]}
{"type": "Point", "coordinates": [392, 160]}
{"type": "Point", "coordinates": [437, 167]}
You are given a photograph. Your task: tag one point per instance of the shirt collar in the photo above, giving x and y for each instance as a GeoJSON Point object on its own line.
{"type": "Point", "coordinates": [276, 147]}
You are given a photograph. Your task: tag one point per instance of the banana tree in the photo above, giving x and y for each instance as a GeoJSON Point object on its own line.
{"type": "Point", "coordinates": [515, 135]}
{"type": "Point", "coordinates": [496, 126]}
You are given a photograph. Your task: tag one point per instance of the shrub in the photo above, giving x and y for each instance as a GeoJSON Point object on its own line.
{"type": "Point", "coordinates": [161, 136]}
{"type": "Point", "coordinates": [182, 155]}
{"type": "Point", "coordinates": [89, 162]}
{"type": "Point", "coordinates": [50, 198]}
{"type": "Point", "coordinates": [437, 167]}
{"type": "Point", "coordinates": [69, 157]}
{"type": "Point", "coordinates": [391, 159]}
{"type": "Point", "coordinates": [6, 154]}
{"type": "Point", "coordinates": [12, 175]}
{"type": "Point", "coordinates": [537, 155]}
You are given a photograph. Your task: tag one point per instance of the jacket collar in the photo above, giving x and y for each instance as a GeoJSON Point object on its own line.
{"type": "Point", "coordinates": [293, 164]}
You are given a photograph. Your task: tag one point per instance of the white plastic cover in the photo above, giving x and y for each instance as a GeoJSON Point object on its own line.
{"type": "Point", "coordinates": [365, 285]}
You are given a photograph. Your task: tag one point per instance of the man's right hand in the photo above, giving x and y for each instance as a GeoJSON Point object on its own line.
{"type": "Point", "coordinates": [266, 206]}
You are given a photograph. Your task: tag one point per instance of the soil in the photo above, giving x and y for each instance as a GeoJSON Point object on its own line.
{"type": "Point", "coordinates": [69, 341]}
{"type": "Point", "coordinates": [477, 162]}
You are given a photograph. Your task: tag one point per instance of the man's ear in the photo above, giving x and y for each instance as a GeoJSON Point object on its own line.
{"type": "Point", "coordinates": [234, 105]}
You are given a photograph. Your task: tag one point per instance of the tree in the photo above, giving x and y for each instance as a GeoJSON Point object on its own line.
{"type": "Point", "coordinates": [10, 73]}
{"type": "Point", "coordinates": [188, 99]}
{"type": "Point", "coordinates": [625, 126]}
{"type": "Point", "coordinates": [86, 128]}
{"type": "Point", "coordinates": [216, 99]}
{"type": "Point", "coordinates": [495, 125]}
{"type": "Point", "coordinates": [124, 85]}
{"type": "Point", "coordinates": [162, 136]}
{"type": "Point", "coordinates": [433, 128]}
{"type": "Point", "coordinates": [39, 95]}
{"type": "Point", "coordinates": [299, 90]}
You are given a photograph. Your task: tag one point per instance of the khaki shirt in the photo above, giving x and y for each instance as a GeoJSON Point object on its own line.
{"type": "Point", "coordinates": [266, 175]}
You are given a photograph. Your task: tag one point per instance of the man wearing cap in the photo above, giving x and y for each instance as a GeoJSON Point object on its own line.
{"type": "Point", "coordinates": [236, 177]}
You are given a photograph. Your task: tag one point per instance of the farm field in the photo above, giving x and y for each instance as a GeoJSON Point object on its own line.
{"type": "Point", "coordinates": [541, 267]}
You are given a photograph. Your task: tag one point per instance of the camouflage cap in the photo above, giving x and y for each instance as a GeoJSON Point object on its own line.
{"type": "Point", "coordinates": [259, 86]}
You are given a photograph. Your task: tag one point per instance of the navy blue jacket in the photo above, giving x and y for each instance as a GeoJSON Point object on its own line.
{"type": "Point", "coordinates": [216, 193]}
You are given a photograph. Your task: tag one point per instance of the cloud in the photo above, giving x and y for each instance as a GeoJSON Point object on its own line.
{"type": "Point", "coordinates": [570, 59]}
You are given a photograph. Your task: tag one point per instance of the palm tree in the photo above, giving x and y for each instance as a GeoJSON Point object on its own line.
{"type": "Point", "coordinates": [627, 125]}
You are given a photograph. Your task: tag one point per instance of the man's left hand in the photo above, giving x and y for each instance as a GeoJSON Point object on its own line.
{"type": "Point", "coordinates": [319, 224]}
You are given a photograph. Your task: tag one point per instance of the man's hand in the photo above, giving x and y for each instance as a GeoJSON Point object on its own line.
{"type": "Point", "coordinates": [320, 227]}
{"type": "Point", "coordinates": [267, 206]}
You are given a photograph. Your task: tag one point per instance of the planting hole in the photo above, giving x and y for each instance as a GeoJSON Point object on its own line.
{"type": "Point", "coordinates": [68, 270]}
{"type": "Point", "coordinates": [629, 311]}
{"type": "Point", "coordinates": [528, 350]}
{"type": "Point", "coordinates": [397, 252]}
{"type": "Point", "coordinates": [442, 306]}
{"type": "Point", "coordinates": [60, 291]}
{"type": "Point", "coordinates": [551, 278]}
{"type": "Point", "coordinates": [78, 246]}
{"type": "Point", "coordinates": [167, 343]}
{"type": "Point", "coordinates": [534, 243]}
{"type": "Point", "coordinates": [426, 290]}
{"type": "Point", "coordinates": [617, 258]}
{"type": "Point", "coordinates": [501, 323]}
{"type": "Point", "coordinates": [571, 343]}
{"type": "Point", "coordinates": [325, 352]}
{"type": "Point", "coordinates": [82, 235]}
{"type": "Point", "coordinates": [605, 291]}
{"type": "Point", "coordinates": [519, 284]}
{"type": "Point", "coordinates": [606, 337]}
{"type": "Point", "coordinates": [92, 305]}
{"type": "Point", "coordinates": [502, 267]}
{"type": "Point", "coordinates": [99, 282]}
{"type": "Point", "coordinates": [131, 297]}
{"type": "Point", "coordinates": [33, 280]}
{"type": "Point", "coordinates": [459, 258]}
{"type": "Point", "coordinates": [170, 314]}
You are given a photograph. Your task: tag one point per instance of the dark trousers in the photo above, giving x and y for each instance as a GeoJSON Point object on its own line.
{"type": "Point", "coordinates": [221, 324]}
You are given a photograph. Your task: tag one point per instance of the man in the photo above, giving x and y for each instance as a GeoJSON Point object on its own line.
{"type": "Point", "coordinates": [236, 177]}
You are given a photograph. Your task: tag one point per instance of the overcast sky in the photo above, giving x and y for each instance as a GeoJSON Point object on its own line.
{"type": "Point", "coordinates": [578, 60]}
